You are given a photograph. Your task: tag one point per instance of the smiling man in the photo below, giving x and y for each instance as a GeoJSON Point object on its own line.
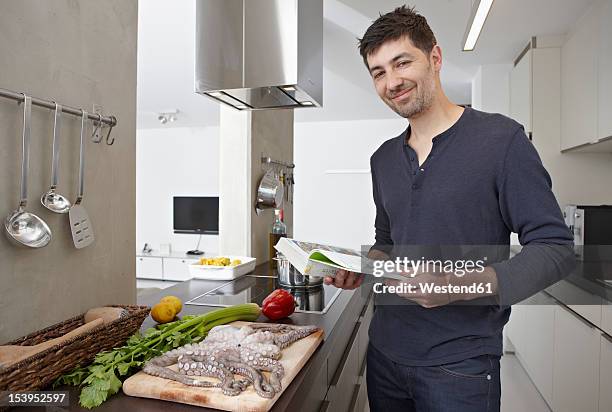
{"type": "Point", "coordinates": [459, 177]}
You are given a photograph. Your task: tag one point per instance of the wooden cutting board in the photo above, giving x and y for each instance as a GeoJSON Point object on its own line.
{"type": "Point", "coordinates": [293, 359]}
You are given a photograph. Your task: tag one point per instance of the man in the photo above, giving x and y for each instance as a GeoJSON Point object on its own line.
{"type": "Point", "coordinates": [456, 176]}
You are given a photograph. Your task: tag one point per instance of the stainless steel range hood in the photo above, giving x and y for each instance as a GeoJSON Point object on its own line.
{"type": "Point", "coordinates": [260, 54]}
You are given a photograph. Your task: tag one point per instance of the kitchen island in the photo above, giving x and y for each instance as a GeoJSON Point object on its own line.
{"type": "Point", "coordinates": [333, 378]}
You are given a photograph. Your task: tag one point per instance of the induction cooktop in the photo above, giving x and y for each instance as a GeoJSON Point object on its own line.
{"type": "Point", "coordinates": [253, 288]}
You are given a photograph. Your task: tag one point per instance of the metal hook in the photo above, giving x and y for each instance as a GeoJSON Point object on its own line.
{"type": "Point", "coordinates": [96, 136]}
{"type": "Point", "coordinates": [110, 141]}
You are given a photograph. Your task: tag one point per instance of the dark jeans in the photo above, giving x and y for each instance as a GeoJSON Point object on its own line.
{"type": "Point", "coordinates": [471, 385]}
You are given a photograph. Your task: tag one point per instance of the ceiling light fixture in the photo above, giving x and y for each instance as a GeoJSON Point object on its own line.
{"type": "Point", "coordinates": [480, 11]}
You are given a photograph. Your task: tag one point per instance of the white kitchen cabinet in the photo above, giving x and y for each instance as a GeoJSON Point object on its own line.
{"type": "Point", "coordinates": [586, 304]}
{"type": "Point", "coordinates": [605, 375]}
{"type": "Point", "coordinates": [576, 363]}
{"type": "Point", "coordinates": [579, 78]}
{"type": "Point", "coordinates": [538, 353]}
{"type": "Point", "coordinates": [605, 72]}
{"type": "Point", "coordinates": [520, 92]}
{"type": "Point", "coordinates": [177, 268]}
{"type": "Point", "coordinates": [149, 267]}
{"type": "Point", "coordinates": [516, 329]}
{"type": "Point", "coordinates": [531, 332]}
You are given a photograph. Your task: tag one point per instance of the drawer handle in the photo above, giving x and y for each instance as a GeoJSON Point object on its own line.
{"type": "Point", "coordinates": [354, 398]}
{"type": "Point", "coordinates": [349, 346]}
{"type": "Point", "coordinates": [363, 365]}
{"type": "Point", "coordinates": [607, 337]}
{"type": "Point", "coordinates": [324, 406]}
{"type": "Point", "coordinates": [577, 316]}
{"type": "Point", "coordinates": [366, 305]}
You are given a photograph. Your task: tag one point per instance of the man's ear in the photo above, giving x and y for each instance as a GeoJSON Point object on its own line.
{"type": "Point", "coordinates": [435, 57]}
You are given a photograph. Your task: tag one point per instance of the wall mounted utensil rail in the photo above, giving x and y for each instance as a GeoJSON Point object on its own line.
{"type": "Point", "coordinates": [282, 171]}
{"type": "Point", "coordinates": [265, 160]}
{"type": "Point", "coordinates": [98, 119]}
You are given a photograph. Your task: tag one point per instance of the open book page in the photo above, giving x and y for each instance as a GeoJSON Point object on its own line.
{"type": "Point", "coordinates": [351, 263]}
{"type": "Point", "coordinates": [320, 260]}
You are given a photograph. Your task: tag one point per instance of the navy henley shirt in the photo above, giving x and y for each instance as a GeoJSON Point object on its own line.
{"type": "Point", "coordinates": [482, 180]}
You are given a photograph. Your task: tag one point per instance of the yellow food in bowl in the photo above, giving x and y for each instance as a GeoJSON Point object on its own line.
{"type": "Point", "coordinates": [219, 261]}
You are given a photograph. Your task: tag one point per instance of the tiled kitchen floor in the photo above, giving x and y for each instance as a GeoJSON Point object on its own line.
{"type": "Point", "coordinates": [518, 392]}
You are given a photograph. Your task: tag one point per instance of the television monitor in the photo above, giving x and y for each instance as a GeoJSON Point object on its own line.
{"type": "Point", "coordinates": [196, 215]}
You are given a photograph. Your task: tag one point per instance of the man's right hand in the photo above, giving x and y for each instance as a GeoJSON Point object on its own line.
{"type": "Point", "coordinates": [345, 279]}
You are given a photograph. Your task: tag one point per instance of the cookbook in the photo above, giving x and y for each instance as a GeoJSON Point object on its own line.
{"type": "Point", "coordinates": [320, 260]}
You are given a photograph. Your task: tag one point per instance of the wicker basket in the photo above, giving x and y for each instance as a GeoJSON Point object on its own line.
{"type": "Point", "coordinates": [40, 370]}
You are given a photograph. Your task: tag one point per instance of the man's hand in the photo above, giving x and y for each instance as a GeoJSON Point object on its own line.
{"type": "Point", "coordinates": [417, 295]}
{"type": "Point", "coordinates": [344, 280]}
{"type": "Point", "coordinates": [487, 278]}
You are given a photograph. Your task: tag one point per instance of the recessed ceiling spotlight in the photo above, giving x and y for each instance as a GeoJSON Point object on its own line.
{"type": "Point", "coordinates": [168, 116]}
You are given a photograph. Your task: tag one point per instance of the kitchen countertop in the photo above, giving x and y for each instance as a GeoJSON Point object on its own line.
{"type": "Point", "coordinates": [586, 277]}
{"type": "Point", "coordinates": [337, 324]}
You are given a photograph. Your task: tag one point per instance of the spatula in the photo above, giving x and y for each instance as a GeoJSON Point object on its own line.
{"type": "Point", "coordinates": [80, 224]}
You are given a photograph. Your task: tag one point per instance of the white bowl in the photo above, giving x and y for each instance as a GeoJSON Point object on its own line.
{"type": "Point", "coordinates": [211, 272]}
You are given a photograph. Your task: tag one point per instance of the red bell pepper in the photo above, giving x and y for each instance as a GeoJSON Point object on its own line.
{"type": "Point", "coordinates": [278, 304]}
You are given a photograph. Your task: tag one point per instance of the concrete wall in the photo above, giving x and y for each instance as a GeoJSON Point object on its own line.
{"type": "Point", "coordinates": [79, 53]}
{"type": "Point", "coordinates": [272, 135]}
{"type": "Point", "coordinates": [244, 137]}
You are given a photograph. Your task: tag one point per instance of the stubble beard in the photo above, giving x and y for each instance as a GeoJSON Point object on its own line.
{"type": "Point", "coordinates": [416, 104]}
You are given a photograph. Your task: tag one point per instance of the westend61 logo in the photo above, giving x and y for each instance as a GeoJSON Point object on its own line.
{"type": "Point", "coordinates": [413, 267]}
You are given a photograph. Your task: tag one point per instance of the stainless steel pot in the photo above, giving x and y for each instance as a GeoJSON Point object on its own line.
{"type": "Point", "coordinates": [289, 276]}
{"type": "Point", "coordinates": [310, 299]}
{"type": "Point", "coordinates": [269, 193]}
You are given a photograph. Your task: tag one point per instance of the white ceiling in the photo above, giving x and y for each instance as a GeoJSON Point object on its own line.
{"type": "Point", "coordinates": [166, 47]}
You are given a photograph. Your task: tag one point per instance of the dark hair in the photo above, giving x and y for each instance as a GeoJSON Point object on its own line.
{"type": "Point", "coordinates": [402, 21]}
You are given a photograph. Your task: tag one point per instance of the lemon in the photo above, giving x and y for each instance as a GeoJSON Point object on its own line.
{"type": "Point", "coordinates": [163, 312]}
{"type": "Point", "coordinates": [176, 303]}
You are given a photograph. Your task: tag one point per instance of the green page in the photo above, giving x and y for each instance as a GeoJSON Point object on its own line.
{"type": "Point", "coordinates": [320, 257]}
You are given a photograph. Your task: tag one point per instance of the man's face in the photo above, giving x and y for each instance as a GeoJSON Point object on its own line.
{"type": "Point", "coordinates": [404, 77]}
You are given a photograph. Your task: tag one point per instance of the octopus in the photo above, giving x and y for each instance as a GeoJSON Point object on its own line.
{"type": "Point", "coordinates": [228, 351]}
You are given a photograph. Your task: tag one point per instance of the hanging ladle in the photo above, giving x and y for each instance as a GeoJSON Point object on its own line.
{"type": "Point", "coordinates": [24, 227]}
{"type": "Point", "coordinates": [52, 200]}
